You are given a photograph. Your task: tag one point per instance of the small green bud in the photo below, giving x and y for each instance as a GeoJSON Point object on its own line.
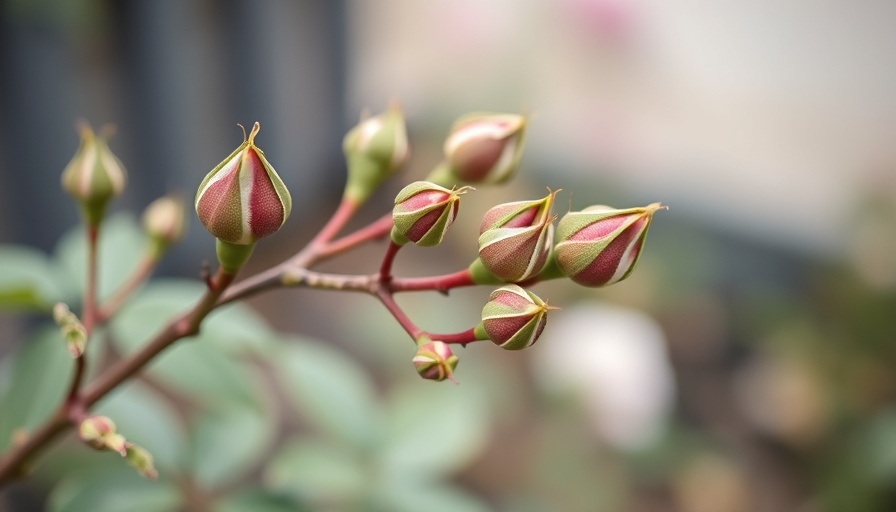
{"type": "Point", "coordinates": [141, 460]}
{"type": "Point", "coordinates": [599, 245]}
{"type": "Point", "coordinates": [485, 147]}
{"type": "Point", "coordinates": [516, 238]}
{"type": "Point", "coordinates": [423, 213]}
{"type": "Point", "coordinates": [99, 432]}
{"type": "Point", "coordinates": [434, 360]}
{"type": "Point", "coordinates": [73, 331]}
{"type": "Point", "coordinates": [165, 221]}
{"type": "Point", "coordinates": [513, 317]}
{"type": "Point", "coordinates": [375, 149]}
{"type": "Point", "coordinates": [94, 175]}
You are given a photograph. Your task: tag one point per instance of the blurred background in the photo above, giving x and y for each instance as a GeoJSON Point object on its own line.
{"type": "Point", "coordinates": [747, 365]}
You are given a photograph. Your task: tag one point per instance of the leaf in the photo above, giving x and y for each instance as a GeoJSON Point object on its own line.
{"type": "Point", "coordinates": [41, 370]}
{"type": "Point", "coordinates": [144, 418]}
{"type": "Point", "coordinates": [28, 280]}
{"type": "Point", "coordinates": [121, 245]}
{"type": "Point", "coordinates": [113, 491]}
{"type": "Point", "coordinates": [257, 500]}
{"type": "Point", "coordinates": [433, 430]}
{"type": "Point", "coordinates": [317, 473]}
{"type": "Point", "coordinates": [228, 443]}
{"type": "Point", "coordinates": [198, 366]}
{"type": "Point", "coordinates": [406, 495]}
{"type": "Point", "coordinates": [329, 390]}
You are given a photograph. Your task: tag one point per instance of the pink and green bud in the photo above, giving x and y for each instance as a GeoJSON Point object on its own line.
{"type": "Point", "coordinates": [165, 221]}
{"type": "Point", "coordinates": [242, 200]}
{"type": "Point", "coordinates": [99, 432]}
{"type": "Point", "coordinates": [484, 147]}
{"type": "Point", "coordinates": [423, 213]}
{"type": "Point", "coordinates": [434, 360]}
{"type": "Point", "coordinates": [599, 245]}
{"type": "Point", "coordinates": [94, 175]}
{"type": "Point", "coordinates": [515, 239]}
{"type": "Point", "coordinates": [513, 317]}
{"type": "Point", "coordinates": [141, 460]}
{"type": "Point", "coordinates": [374, 150]}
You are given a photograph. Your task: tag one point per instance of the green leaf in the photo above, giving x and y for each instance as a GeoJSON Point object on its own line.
{"type": "Point", "coordinates": [329, 390]}
{"type": "Point", "coordinates": [28, 280]}
{"type": "Point", "coordinates": [198, 366]}
{"type": "Point", "coordinates": [406, 495]}
{"type": "Point", "coordinates": [317, 473]}
{"type": "Point", "coordinates": [144, 418]}
{"type": "Point", "coordinates": [121, 246]}
{"type": "Point", "coordinates": [41, 370]}
{"type": "Point", "coordinates": [433, 429]}
{"type": "Point", "coordinates": [228, 443]}
{"type": "Point", "coordinates": [113, 491]}
{"type": "Point", "coordinates": [257, 500]}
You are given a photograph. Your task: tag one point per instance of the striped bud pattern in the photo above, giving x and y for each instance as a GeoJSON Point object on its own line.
{"type": "Point", "coordinates": [513, 317]}
{"type": "Point", "coordinates": [94, 175]}
{"type": "Point", "coordinates": [243, 199]}
{"type": "Point", "coordinates": [485, 147]}
{"type": "Point", "coordinates": [515, 238]}
{"type": "Point", "coordinates": [599, 245]}
{"type": "Point", "coordinates": [423, 213]}
{"type": "Point", "coordinates": [434, 360]}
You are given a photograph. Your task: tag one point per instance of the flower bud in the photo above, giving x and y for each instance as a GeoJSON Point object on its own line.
{"type": "Point", "coordinates": [434, 360]}
{"type": "Point", "coordinates": [99, 432]}
{"type": "Point", "coordinates": [515, 238]}
{"type": "Point", "coordinates": [423, 213]}
{"type": "Point", "coordinates": [94, 175]}
{"type": "Point", "coordinates": [485, 147]}
{"type": "Point", "coordinates": [141, 460]}
{"type": "Point", "coordinates": [513, 317]}
{"type": "Point", "coordinates": [73, 331]}
{"type": "Point", "coordinates": [599, 245]}
{"type": "Point", "coordinates": [374, 150]}
{"type": "Point", "coordinates": [165, 221]}
{"type": "Point", "coordinates": [242, 200]}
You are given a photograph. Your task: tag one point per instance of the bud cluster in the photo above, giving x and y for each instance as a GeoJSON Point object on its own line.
{"type": "Point", "coordinates": [99, 432]}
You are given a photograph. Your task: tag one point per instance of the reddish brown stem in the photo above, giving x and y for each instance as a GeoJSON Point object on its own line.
{"type": "Point", "coordinates": [377, 229]}
{"type": "Point", "coordinates": [388, 259]}
{"type": "Point", "coordinates": [114, 303]}
{"type": "Point", "coordinates": [461, 338]}
{"type": "Point", "coordinates": [440, 284]}
{"type": "Point", "coordinates": [389, 301]}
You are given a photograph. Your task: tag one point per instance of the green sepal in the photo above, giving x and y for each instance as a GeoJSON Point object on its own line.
{"type": "Point", "coordinates": [232, 257]}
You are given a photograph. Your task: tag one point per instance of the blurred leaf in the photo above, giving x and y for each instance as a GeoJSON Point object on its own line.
{"type": "Point", "coordinates": [235, 328]}
{"type": "Point", "coordinates": [318, 473]}
{"type": "Point", "coordinates": [878, 442]}
{"type": "Point", "coordinates": [329, 389]}
{"type": "Point", "coordinates": [28, 279]}
{"type": "Point", "coordinates": [113, 491]}
{"type": "Point", "coordinates": [196, 366]}
{"type": "Point", "coordinates": [259, 501]}
{"type": "Point", "coordinates": [434, 429]}
{"type": "Point", "coordinates": [121, 245]}
{"type": "Point", "coordinates": [41, 370]}
{"type": "Point", "coordinates": [405, 495]}
{"type": "Point", "coordinates": [228, 443]}
{"type": "Point", "coordinates": [144, 418]}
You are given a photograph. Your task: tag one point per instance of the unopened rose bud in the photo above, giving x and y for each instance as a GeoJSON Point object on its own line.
{"type": "Point", "coordinates": [485, 147]}
{"type": "Point", "coordinates": [423, 213]}
{"type": "Point", "coordinates": [165, 221]}
{"type": "Point", "coordinates": [513, 317]}
{"type": "Point", "coordinates": [141, 460]}
{"type": "Point", "coordinates": [242, 200]}
{"type": "Point", "coordinates": [434, 360]}
{"type": "Point", "coordinates": [94, 175]}
{"type": "Point", "coordinates": [374, 150]}
{"type": "Point", "coordinates": [515, 239]}
{"type": "Point", "coordinates": [599, 245]}
{"type": "Point", "coordinates": [99, 432]}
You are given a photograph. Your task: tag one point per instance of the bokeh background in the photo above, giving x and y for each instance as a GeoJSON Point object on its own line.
{"type": "Point", "coordinates": [747, 365]}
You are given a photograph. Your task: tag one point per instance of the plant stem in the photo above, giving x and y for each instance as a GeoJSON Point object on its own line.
{"type": "Point", "coordinates": [440, 284]}
{"type": "Point", "coordinates": [112, 305]}
{"type": "Point", "coordinates": [461, 338]}
{"type": "Point", "coordinates": [11, 463]}
{"type": "Point", "coordinates": [388, 259]}
{"type": "Point", "coordinates": [376, 229]}
{"type": "Point", "coordinates": [388, 300]}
